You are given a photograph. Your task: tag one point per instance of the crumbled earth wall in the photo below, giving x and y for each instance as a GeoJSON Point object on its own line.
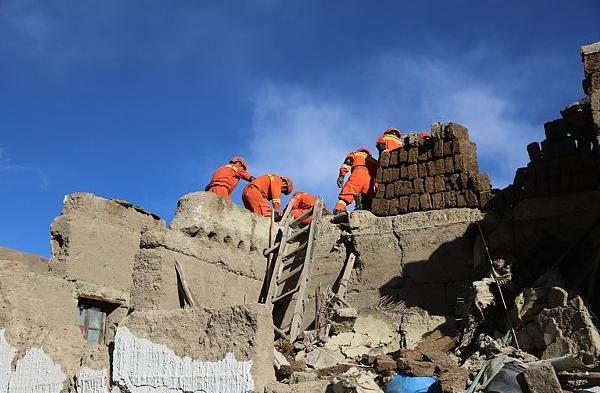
{"type": "Point", "coordinates": [422, 258]}
{"type": "Point", "coordinates": [226, 350]}
{"type": "Point", "coordinates": [219, 247]}
{"type": "Point", "coordinates": [96, 239]}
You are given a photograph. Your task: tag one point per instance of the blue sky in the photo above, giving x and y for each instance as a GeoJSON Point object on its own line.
{"type": "Point", "coordinates": [142, 100]}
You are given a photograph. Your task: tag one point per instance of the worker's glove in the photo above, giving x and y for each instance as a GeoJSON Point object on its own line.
{"type": "Point", "coordinates": [340, 181]}
{"type": "Point", "coordinates": [277, 216]}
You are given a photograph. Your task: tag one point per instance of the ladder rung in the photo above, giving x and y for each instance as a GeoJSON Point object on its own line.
{"type": "Point", "coordinates": [281, 332]}
{"type": "Point", "coordinates": [273, 248]}
{"type": "Point", "coordinates": [290, 274]}
{"type": "Point", "coordinates": [297, 250]}
{"type": "Point", "coordinates": [283, 296]}
{"type": "Point", "coordinates": [303, 217]}
{"type": "Point", "coordinates": [299, 233]}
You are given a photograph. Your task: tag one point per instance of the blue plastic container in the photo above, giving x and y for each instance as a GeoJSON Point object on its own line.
{"type": "Point", "coordinates": [406, 384]}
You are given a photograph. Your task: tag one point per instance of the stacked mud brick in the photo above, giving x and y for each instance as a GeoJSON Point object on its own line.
{"type": "Point", "coordinates": [433, 173]}
{"type": "Point", "coordinates": [567, 161]}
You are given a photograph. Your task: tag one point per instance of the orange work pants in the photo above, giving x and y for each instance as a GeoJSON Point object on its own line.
{"type": "Point", "coordinates": [255, 201]}
{"type": "Point", "coordinates": [359, 182]}
{"type": "Point", "coordinates": [220, 191]}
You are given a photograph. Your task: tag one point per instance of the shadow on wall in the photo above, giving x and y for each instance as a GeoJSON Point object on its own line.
{"type": "Point", "coordinates": [434, 284]}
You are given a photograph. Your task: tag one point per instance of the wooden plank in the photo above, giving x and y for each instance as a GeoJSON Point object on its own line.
{"type": "Point", "coordinates": [275, 266]}
{"type": "Point", "coordinates": [343, 286]}
{"type": "Point", "coordinates": [188, 296]}
{"type": "Point", "coordinates": [303, 217]}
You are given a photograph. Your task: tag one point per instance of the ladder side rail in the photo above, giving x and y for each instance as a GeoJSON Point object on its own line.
{"type": "Point", "coordinates": [277, 266]}
{"type": "Point", "coordinates": [298, 314]}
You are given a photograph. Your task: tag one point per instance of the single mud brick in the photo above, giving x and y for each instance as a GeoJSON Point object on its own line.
{"type": "Point", "coordinates": [456, 131]}
{"type": "Point", "coordinates": [390, 191]}
{"type": "Point", "coordinates": [418, 186]}
{"type": "Point", "coordinates": [393, 209]}
{"type": "Point", "coordinates": [429, 185]}
{"type": "Point", "coordinates": [555, 128]}
{"type": "Point", "coordinates": [480, 182]}
{"type": "Point", "coordinates": [565, 184]}
{"type": "Point", "coordinates": [439, 166]}
{"type": "Point", "coordinates": [449, 165]}
{"type": "Point", "coordinates": [422, 153]}
{"type": "Point", "coordinates": [459, 163]}
{"type": "Point", "coordinates": [413, 172]}
{"type": "Point", "coordinates": [379, 175]}
{"type": "Point", "coordinates": [439, 184]}
{"type": "Point", "coordinates": [540, 378]}
{"type": "Point", "coordinates": [463, 181]}
{"type": "Point", "coordinates": [461, 146]}
{"type": "Point", "coordinates": [547, 149]}
{"type": "Point", "coordinates": [541, 187]}
{"type": "Point", "coordinates": [472, 200]}
{"type": "Point", "coordinates": [437, 130]}
{"type": "Point", "coordinates": [471, 164]}
{"type": "Point", "coordinates": [395, 175]}
{"type": "Point", "coordinates": [422, 169]}
{"type": "Point", "coordinates": [413, 155]}
{"type": "Point", "coordinates": [461, 199]}
{"type": "Point", "coordinates": [534, 151]}
{"type": "Point", "coordinates": [407, 187]}
{"type": "Point", "coordinates": [380, 191]}
{"type": "Point", "coordinates": [380, 207]}
{"type": "Point", "coordinates": [413, 203]}
{"type": "Point", "coordinates": [402, 155]}
{"type": "Point", "coordinates": [398, 187]}
{"type": "Point", "coordinates": [386, 175]}
{"type": "Point", "coordinates": [384, 159]}
{"type": "Point", "coordinates": [403, 204]}
{"type": "Point", "coordinates": [520, 177]}
{"type": "Point", "coordinates": [437, 201]}
{"type": "Point", "coordinates": [404, 171]}
{"type": "Point", "coordinates": [393, 158]}
{"type": "Point", "coordinates": [453, 182]}
{"type": "Point", "coordinates": [447, 148]}
{"type": "Point", "coordinates": [431, 168]}
{"type": "Point", "coordinates": [450, 199]}
{"type": "Point", "coordinates": [438, 148]}
{"type": "Point", "coordinates": [425, 202]}
{"type": "Point", "coordinates": [485, 198]}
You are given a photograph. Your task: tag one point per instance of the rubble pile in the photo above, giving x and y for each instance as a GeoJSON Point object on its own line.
{"type": "Point", "coordinates": [432, 173]}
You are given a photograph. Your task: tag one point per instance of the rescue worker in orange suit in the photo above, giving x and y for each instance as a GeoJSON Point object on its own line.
{"type": "Point", "coordinates": [227, 177]}
{"type": "Point", "coordinates": [301, 202]}
{"type": "Point", "coordinates": [260, 191]}
{"type": "Point", "coordinates": [390, 140]}
{"type": "Point", "coordinates": [362, 167]}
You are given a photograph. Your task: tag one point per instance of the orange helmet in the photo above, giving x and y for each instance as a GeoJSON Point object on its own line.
{"type": "Point", "coordinates": [394, 131]}
{"type": "Point", "coordinates": [424, 134]}
{"type": "Point", "coordinates": [364, 150]}
{"type": "Point", "coordinates": [290, 185]}
{"type": "Point", "coordinates": [379, 140]}
{"type": "Point", "coordinates": [239, 159]}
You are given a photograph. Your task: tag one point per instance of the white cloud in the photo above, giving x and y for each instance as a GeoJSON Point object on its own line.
{"type": "Point", "coordinates": [304, 132]}
{"type": "Point", "coordinates": [7, 165]}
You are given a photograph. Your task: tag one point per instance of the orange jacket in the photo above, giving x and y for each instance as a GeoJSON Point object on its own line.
{"type": "Point", "coordinates": [228, 176]}
{"type": "Point", "coordinates": [357, 159]}
{"type": "Point", "coordinates": [390, 141]}
{"type": "Point", "coordinates": [270, 186]}
{"type": "Point", "coordinates": [302, 200]}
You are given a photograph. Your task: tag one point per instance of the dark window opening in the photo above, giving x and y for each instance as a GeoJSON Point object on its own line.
{"type": "Point", "coordinates": [91, 319]}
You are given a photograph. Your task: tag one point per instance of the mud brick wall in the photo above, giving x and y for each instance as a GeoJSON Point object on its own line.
{"type": "Point", "coordinates": [568, 160]}
{"type": "Point", "coordinates": [430, 174]}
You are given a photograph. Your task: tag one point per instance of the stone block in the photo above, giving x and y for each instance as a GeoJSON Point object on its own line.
{"type": "Point", "coordinates": [422, 169]}
{"type": "Point", "coordinates": [390, 191]}
{"type": "Point", "coordinates": [418, 186]}
{"type": "Point", "coordinates": [437, 201]}
{"type": "Point", "coordinates": [449, 165]}
{"type": "Point", "coordinates": [438, 148]}
{"type": "Point", "coordinates": [450, 199]}
{"type": "Point", "coordinates": [461, 199]}
{"type": "Point", "coordinates": [555, 129]}
{"type": "Point", "coordinates": [423, 153]}
{"type": "Point", "coordinates": [439, 184]}
{"type": "Point", "coordinates": [480, 182]}
{"type": "Point", "coordinates": [387, 175]}
{"type": "Point", "coordinates": [456, 131]}
{"type": "Point", "coordinates": [534, 151]}
{"type": "Point", "coordinates": [540, 377]}
{"type": "Point", "coordinates": [413, 172]}
{"type": "Point", "coordinates": [462, 146]}
{"type": "Point", "coordinates": [448, 148]}
{"type": "Point", "coordinates": [384, 159]}
{"type": "Point", "coordinates": [472, 200]}
{"type": "Point", "coordinates": [380, 191]}
{"type": "Point", "coordinates": [394, 160]}
{"type": "Point", "coordinates": [413, 203]}
{"type": "Point", "coordinates": [404, 172]}
{"type": "Point", "coordinates": [590, 55]}
{"type": "Point", "coordinates": [403, 204]}
{"type": "Point", "coordinates": [393, 209]}
{"type": "Point", "coordinates": [379, 175]}
{"type": "Point", "coordinates": [429, 184]}
{"type": "Point", "coordinates": [402, 156]}
{"type": "Point", "coordinates": [439, 166]}
{"type": "Point", "coordinates": [380, 207]}
{"type": "Point", "coordinates": [413, 155]}
{"type": "Point", "coordinates": [453, 182]}
{"type": "Point", "coordinates": [431, 168]}
{"type": "Point", "coordinates": [425, 202]}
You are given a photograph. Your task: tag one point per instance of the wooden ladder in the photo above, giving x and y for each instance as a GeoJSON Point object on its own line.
{"type": "Point", "coordinates": [290, 260]}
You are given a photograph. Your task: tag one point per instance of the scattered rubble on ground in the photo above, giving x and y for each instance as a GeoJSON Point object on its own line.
{"type": "Point", "coordinates": [446, 297]}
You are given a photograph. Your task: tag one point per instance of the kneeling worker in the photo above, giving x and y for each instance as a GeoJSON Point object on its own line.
{"type": "Point", "coordinates": [390, 140]}
{"type": "Point", "coordinates": [227, 177]}
{"type": "Point", "coordinates": [260, 191]}
{"type": "Point", "coordinates": [362, 167]}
